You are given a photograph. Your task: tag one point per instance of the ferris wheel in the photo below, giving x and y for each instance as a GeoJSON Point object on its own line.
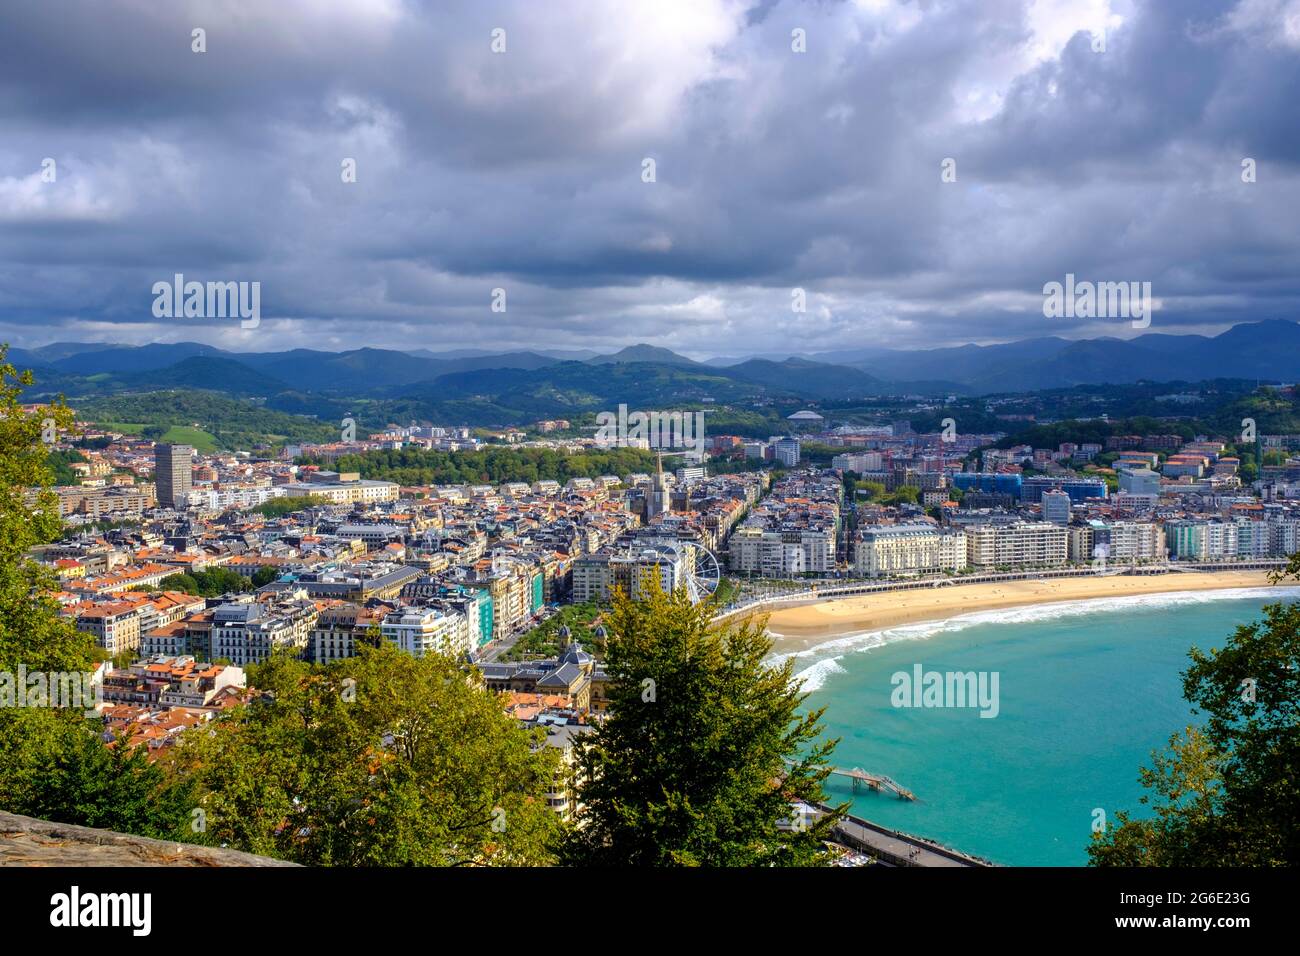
{"type": "Point", "coordinates": [701, 572]}
{"type": "Point", "coordinates": [698, 569]}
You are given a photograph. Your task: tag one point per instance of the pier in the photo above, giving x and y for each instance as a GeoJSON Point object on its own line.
{"type": "Point", "coordinates": [874, 781]}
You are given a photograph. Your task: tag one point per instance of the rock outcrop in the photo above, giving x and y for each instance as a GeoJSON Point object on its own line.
{"type": "Point", "coordinates": [25, 841]}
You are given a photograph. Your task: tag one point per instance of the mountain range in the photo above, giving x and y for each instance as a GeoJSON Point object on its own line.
{"type": "Point", "coordinates": [555, 382]}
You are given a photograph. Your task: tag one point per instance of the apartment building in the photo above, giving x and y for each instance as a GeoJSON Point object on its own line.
{"type": "Point", "coordinates": [100, 502]}
{"type": "Point", "coordinates": [859, 462]}
{"type": "Point", "coordinates": [172, 475]}
{"type": "Point", "coordinates": [515, 588]}
{"type": "Point", "coordinates": [1254, 539]}
{"type": "Point", "coordinates": [597, 576]}
{"type": "Point", "coordinates": [765, 553]}
{"type": "Point", "coordinates": [1201, 540]}
{"type": "Point", "coordinates": [1284, 537]}
{"type": "Point", "coordinates": [338, 630]}
{"type": "Point", "coordinates": [785, 451]}
{"type": "Point", "coordinates": [115, 625]}
{"type": "Point", "coordinates": [1189, 466]}
{"type": "Point", "coordinates": [248, 633]}
{"type": "Point", "coordinates": [425, 630]}
{"type": "Point", "coordinates": [345, 492]}
{"type": "Point", "coordinates": [178, 681]}
{"type": "Point", "coordinates": [1135, 541]}
{"type": "Point", "coordinates": [1021, 544]}
{"type": "Point", "coordinates": [1056, 507]}
{"type": "Point", "coordinates": [781, 552]}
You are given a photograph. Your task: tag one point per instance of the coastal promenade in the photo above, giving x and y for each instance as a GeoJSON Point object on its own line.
{"type": "Point", "coordinates": [893, 847]}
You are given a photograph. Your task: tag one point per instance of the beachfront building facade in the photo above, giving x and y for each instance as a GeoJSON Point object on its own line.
{"type": "Point", "coordinates": [782, 552]}
{"type": "Point", "coordinates": [886, 550]}
{"type": "Point", "coordinates": [1202, 540]}
{"type": "Point", "coordinates": [1021, 544]}
{"type": "Point", "coordinates": [1136, 541]}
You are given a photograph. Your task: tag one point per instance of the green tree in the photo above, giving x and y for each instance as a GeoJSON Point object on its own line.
{"type": "Point", "coordinates": [704, 749]}
{"type": "Point", "coordinates": [210, 582]}
{"type": "Point", "coordinates": [53, 763]}
{"type": "Point", "coordinates": [874, 490]}
{"type": "Point", "coordinates": [176, 582]}
{"type": "Point", "coordinates": [903, 494]}
{"type": "Point", "coordinates": [384, 759]}
{"type": "Point", "coordinates": [279, 507]}
{"type": "Point", "coordinates": [413, 466]}
{"type": "Point", "coordinates": [1185, 779]}
{"type": "Point", "coordinates": [60, 463]}
{"type": "Point", "coordinates": [264, 576]}
{"type": "Point", "coordinates": [1226, 794]}
{"type": "Point", "coordinates": [115, 788]}
{"type": "Point", "coordinates": [31, 631]}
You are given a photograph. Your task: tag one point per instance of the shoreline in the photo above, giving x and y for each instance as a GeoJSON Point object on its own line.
{"type": "Point", "coordinates": [805, 626]}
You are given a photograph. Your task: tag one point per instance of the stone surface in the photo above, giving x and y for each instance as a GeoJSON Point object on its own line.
{"type": "Point", "coordinates": [25, 841]}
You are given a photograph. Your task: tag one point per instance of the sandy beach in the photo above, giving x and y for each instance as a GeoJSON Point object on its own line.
{"type": "Point", "coordinates": [797, 628]}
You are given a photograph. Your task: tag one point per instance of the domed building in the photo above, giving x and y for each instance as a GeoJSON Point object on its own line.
{"type": "Point", "coordinates": [806, 421]}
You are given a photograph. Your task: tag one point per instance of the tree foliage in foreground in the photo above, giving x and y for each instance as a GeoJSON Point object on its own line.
{"type": "Point", "coordinates": [704, 750]}
{"type": "Point", "coordinates": [379, 760]}
{"type": "Point", "coordinates": [1227, 793]}
{"type": "Point", "coordinates": [53, 762]}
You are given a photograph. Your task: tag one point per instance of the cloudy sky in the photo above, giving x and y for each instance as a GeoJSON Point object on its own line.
{"type": "Point", "coordinates": [1103, 138]}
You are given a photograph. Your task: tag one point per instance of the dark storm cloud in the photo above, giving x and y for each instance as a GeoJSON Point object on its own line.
{"type": "Point", "coordinates": [522, 170]}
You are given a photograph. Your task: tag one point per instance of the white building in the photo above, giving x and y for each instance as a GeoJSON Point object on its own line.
{"type": "Point", "coordinates": [786, 451]}
{"type": "Point", "coordinates": [246, 496]}
{"type": "Point", "coordinates": [858, 461]}
{"type": "Point", "coordinates": [597, 576]}
{"type": "Point", "coordinates": [1136, 541]}
{"type": "Point", "coordinates": [1023, 544]}
{"type": "Point", "coordinates": [781, 552]}
{"type": "Point", "coordinates": [248, 633]}
{"type": "Point", "coordinates": [344, 492]}
{"type": "Point", "coordinates": [421, 631]}
{"type": "Point", "coordinates": [889, 550]}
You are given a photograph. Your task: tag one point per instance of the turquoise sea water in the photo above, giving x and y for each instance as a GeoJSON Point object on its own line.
{"type": "Point", "coordinates": [1087, 690]}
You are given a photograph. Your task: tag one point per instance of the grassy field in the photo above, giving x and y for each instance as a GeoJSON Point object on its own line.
{"type": "Point", "coordinates": [187, 435]}
{"type": "Point", "coordinates": [126, 428]}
